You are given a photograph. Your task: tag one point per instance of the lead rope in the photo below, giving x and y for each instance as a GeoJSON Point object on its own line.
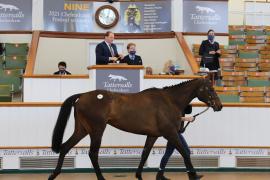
{"type": "Point", "coordinates": [184, 128]}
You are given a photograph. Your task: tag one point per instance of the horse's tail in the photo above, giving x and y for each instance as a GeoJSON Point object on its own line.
{"type": "Point", "coordinates": [61, 123]}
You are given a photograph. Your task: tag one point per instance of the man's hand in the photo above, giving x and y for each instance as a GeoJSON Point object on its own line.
{"type": "Point", "coordinates": [212, 52]}
{"type": "Point", "coordinates": [218, 51]}
{"type": "Point", "coordinates": [121, 56]}
{"type": "Point", "coordinates": [189, 119]}
{"type": "Point", "coordinates": [114, 59]}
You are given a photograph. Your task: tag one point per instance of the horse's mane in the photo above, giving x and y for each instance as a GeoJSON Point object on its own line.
{"type": "Point", "coordinates": [172, 86]}
{"type": "Point", "coordinates": [179, 85]}
{"type": "Point", "coordinates": [150, 89]}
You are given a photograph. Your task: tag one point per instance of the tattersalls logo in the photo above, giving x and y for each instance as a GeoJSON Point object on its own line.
{"type": "Point", "coordinates": [118, 83]}
{"type": "Point", "coordinates": [205, 15]}
{"type": "Point", "coordinates": [205, 9]}
{"type": "Point", "coordinates": [116, 77]}
{"type": "Point", "coordinates": [9, 7]}
{"type": "Point", "coordinates": [10, 14]}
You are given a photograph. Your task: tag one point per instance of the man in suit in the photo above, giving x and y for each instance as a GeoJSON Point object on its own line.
{"type": "Point", "coordinates": [106, 51]}
{"type": "Point", "coordinates": [132, 58]}
{"type": "Point", "coordinates": [62, 69]}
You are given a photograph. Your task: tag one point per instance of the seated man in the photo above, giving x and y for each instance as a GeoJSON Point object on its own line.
{"type": "Point", "coordinates": [132, 58]}
{"type": "Point", "coordinates": [106, 51]}
{"type": "Point", "coordinates": [62, 69]}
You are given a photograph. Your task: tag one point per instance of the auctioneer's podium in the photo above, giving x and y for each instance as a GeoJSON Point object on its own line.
{"type": "Point", "coordinates": [117, 77]}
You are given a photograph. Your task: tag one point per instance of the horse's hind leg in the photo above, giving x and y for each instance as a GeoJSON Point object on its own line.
{"type": "Point", "coordinates": [71, 142]}
{"type": "Point", "coordinates": [94, 149]}
{"type": "Point", "coordinates": [176, 141]}
{"type": "Point", "coordinates": [150, 141]}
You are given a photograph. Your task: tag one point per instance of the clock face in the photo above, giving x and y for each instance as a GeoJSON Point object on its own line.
{"type": "Point", "coordinates": [106, 16]}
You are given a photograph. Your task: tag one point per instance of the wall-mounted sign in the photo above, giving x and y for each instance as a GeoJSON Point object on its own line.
{"type": "Point", "coordinates": [200, 16]}
{"type": "Point", "coordinates": [68, 16]}
{"type": "Point", "coordinates": [16, 15]}
{"type": "Point", "coordinates": [134, 17]}
{"type": "Point", "coordinates": [152, 16]}
{"type": "Point", "coordinates": [124, 81]}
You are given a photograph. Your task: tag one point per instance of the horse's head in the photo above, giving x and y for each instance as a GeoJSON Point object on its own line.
{"type": "Point", "coordinates": [208, 95]}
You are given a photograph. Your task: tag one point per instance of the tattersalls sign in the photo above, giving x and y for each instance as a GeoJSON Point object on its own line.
{"type": "Point", "coordinates": [123, 81]}
{"type": "Point", "coordinates": [200, 16]}
{"type": "Point", "coordinates": [134, 16]}
{"type": "Point", "coordinates": [68, 16]}
{"type": "Point", "coordinates": [16, 15]}
{"type": "Point", "coordinates": [146, 16]}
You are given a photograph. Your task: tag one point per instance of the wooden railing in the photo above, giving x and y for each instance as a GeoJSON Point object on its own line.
{"type": "Point", "coordinates": [188, 53]}
{"type": "Point", "coordinates": [203, 34]}
{"type": "Point", "coordinates": [32, 53]}
{"type": "Point", "coordinates": [76, 35]}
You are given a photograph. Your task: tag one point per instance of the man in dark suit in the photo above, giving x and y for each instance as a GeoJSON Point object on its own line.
{"type": "Point", "coordinates": [62, 69]}
{"type": "Point", "coordinates": [106, 51]}
{"type": "Point", "coordinates": [132, 58]}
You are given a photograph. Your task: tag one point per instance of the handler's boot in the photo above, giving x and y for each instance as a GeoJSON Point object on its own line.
{"type": "Point", "coordinates": [160, 175]}
{"type": "Point", "coordinates": [194, 176]}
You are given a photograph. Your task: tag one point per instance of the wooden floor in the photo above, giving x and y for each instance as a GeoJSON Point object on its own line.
{"type": "Point", "coordinates": [130, 176]}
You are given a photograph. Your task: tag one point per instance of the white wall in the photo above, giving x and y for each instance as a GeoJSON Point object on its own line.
{"type": "Point", "coordinates": [233, 126]}
{"type": "Point", "coordinates": [237, 11]}
{"type": "Point", "coordinates": [52, 50]}
{"type": "Point", "coordinates": [37, 19]}
{"type": "Point", "coordinates": [15, 38]}
{"type": "Point", "coordinates": [36, 89]}
{"type": "Point", "coordinates": [154, 52]}
{"type": "Point", "coordinates": [54, 89]}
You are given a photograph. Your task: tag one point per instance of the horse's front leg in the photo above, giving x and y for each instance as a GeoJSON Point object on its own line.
{"type": "Point", "coordinates": [150, 141]}
{"type": "Point", "coordinates": [174, 139]}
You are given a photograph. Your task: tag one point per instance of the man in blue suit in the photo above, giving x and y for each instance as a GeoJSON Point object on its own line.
{"type": "Point", "coordinates": [106, 51]}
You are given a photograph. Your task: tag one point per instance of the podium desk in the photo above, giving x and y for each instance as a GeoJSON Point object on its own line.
{"type": "Point", "coordinates": [117, 77]}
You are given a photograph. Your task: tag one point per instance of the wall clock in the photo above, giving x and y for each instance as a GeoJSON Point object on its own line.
{"type": "Point", "coordinates": [106, 16]}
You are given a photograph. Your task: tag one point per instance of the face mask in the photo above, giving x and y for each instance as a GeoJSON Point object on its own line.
{"type": "Point", "coordinates": [211, 37]}
{"type": "Point", "coordinates": [132, 52]}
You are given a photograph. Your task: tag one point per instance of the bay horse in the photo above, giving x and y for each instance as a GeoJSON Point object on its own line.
{"type": "Point", "coordinates": [153, 112]}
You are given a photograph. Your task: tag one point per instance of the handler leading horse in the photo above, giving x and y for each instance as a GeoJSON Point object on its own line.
{"type": "Point", "coordinates": [156, 114]}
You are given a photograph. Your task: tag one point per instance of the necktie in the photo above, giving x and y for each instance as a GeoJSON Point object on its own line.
{"type": "Point", "coordinates": [111, 50]}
